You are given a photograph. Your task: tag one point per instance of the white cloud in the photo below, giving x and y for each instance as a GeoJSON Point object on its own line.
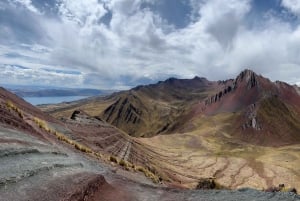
{"type": "Point", "coordinates": [139, 44]}
{"type": "Point", "coordinates": [292, 5]}
{"type": "Point", "coordinates": [222, 19]}
{"type": "Point", "coordinates": [31, 76]}
{"type": "Point", "coordinates": [85, 13]}
{"type": "Point", "coordinates": [28, 5]}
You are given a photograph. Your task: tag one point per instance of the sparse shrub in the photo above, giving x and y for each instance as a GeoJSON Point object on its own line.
{"type": "Point", "coordinates": [206, 184]}
{"type": "Point", "coordinates": [281, 188]}
{"type": "Point", "coordinates": [63, 138]}
{"type": "Point", "coordinates": [113, 159]}
{"type": "Point", "coordinates": [148, 174]}
{"type": "Point", "coordinates": [11, 106]}
{"type": "Point", "coordinates": [98, 155]}
{"type": "Point", "coordinates": [42, 124]}
{"type": "Point", "coordinates": [122, 163]}
{"type": "Point", "coordinates": [293, 190]}
{"type": "Point", "coordinates": [139, 168]}
{"type": "Point", "coordinates": [127, 165]}
{"type": "Point", "coordinates": [77, 146]}
{"type": "Point", "coordinates": [209, 183]}
{"type": "Point", "coordinates": [83, 148]}
{"type": "Point", "coordinates": [20, 113]}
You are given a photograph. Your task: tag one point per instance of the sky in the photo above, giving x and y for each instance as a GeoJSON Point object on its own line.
{"type": "Point", "coordinates": [118, 44]}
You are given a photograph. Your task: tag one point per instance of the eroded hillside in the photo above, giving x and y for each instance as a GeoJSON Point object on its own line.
{"type": "Point", "coordinates": [237, 131]}
{"type": "Point", "coordinates": [42, 158]}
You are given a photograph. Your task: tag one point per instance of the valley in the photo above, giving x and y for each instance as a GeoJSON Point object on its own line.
{"type": "Point", "coordinates": [174, 140]}
{"type": "Point", "coordinates": [149, 100]}
{"type": "Point", "coordinates": [244, 136]}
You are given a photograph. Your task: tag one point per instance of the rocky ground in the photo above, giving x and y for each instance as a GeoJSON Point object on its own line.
{"type": "Point", "coordinates": [45, 159]}
{"type": "Point", "coordinates": [34, 170]}
{"type": "Point", "coordinates": [234, 164]}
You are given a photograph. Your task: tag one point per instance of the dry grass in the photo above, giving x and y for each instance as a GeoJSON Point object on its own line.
{"type": "Point", "coordinates": [113, 159]}
{"type": "Point", "coordinates": [132, 167]}
{"type": "Point", "coordinates": [10, 105]}
{"type": "Point", "coordinates": [43, 125]}
{"type": "Point", "coordinates": [148, 174]}
{"type": "Point", "coordinates": [83, 148]}
{"type": "Point", "coordinates": [125, 164]}
{"type": "Point", "coordinates": [210, 151]}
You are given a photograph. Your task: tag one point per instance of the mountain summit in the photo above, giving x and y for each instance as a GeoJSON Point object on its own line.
{"type": "Point", "coordinates": [240, 132]}
{"type": "Point", "coordinates": [173, 106]}
{"type": "Point", "coordinates": [259, 109]}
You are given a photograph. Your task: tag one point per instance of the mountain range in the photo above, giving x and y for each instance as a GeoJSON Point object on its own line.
{"type": "Point", "coordinates": [249, 119]}
{"type": "Point", "coordinates": [55, 92]}
{"type": "Point", "coordinates": [180, 133]}
{"type": "Point", "coordinates": [256, 108]}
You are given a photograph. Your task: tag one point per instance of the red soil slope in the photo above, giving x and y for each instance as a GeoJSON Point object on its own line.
{"type": "Point", "coordinates": [34, 160]}
{"type": "Point", "coordinates": [268, 112]}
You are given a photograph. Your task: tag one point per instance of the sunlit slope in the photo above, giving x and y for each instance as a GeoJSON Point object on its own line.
{"type": "Point", "coordinates": [92, 106]}
{"type": "Point", "coordinates": [154, 109]}
{"type": "Point", "coordinates": [263, 112]}
{"type": "Point", "coordinates": [237, 131]}
{"type": "Point", "coordinates": [211, 151]}
{"type": "Point", "coordinates": [145, 110]}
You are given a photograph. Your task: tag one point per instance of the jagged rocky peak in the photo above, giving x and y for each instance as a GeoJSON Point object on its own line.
{"type": "Point", "coordinates": [282, 84]}
{"type": "Point", "coordinates": [247, 76]}
{"type": "Point", "coordinates": [226, 82]}
{"type": "Point", "coordinates": [200, 78]}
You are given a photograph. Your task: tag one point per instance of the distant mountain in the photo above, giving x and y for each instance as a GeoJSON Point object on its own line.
{"type": "Point", "coordinates": [37, 92]}
{"type": "Point", "coordinates": [236, 133]}
{"type": "Point", "coordinates": [153, 109]}
{"type": "Point", "coordinates": [262, 112]}
{"type": "Point", "coordinates": [84, 158]}
{"type": "Point", "coordinates": [258, 108]}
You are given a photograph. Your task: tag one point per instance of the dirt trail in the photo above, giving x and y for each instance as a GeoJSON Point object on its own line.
{"type": "Point", "coordinates": [125, 152]}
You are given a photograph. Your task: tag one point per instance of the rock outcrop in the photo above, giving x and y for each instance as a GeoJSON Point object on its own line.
{"type": "Point", "coordinates": [251, 119]}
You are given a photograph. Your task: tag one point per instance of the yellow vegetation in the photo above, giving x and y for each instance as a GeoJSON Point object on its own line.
{"type": "Point", "coordinates": [43, 125]}
{"type": "Point", "coordinates": [10, 105]}
{"type": "Point", "coordinates": [127, 165]}
{"type": "Point", "coordinates": [113, 159]}
{"type": "Point", "coordinates": [83, 148]}
{"type": "Point", "coordinates": [123, 163]}
{"type": "Point", "coordinates": [148, 174]}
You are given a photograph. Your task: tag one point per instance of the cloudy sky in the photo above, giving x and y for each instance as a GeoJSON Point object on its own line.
{"type": "Point", "coordinates": [117, 44]}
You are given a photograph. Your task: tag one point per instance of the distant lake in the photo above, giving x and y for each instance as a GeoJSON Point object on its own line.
{"type": "Point", "coordinates": [52, 100]}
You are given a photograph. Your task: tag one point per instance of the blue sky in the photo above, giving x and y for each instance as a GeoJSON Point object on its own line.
{"type": "Point", "coordinates": [117, 44]}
